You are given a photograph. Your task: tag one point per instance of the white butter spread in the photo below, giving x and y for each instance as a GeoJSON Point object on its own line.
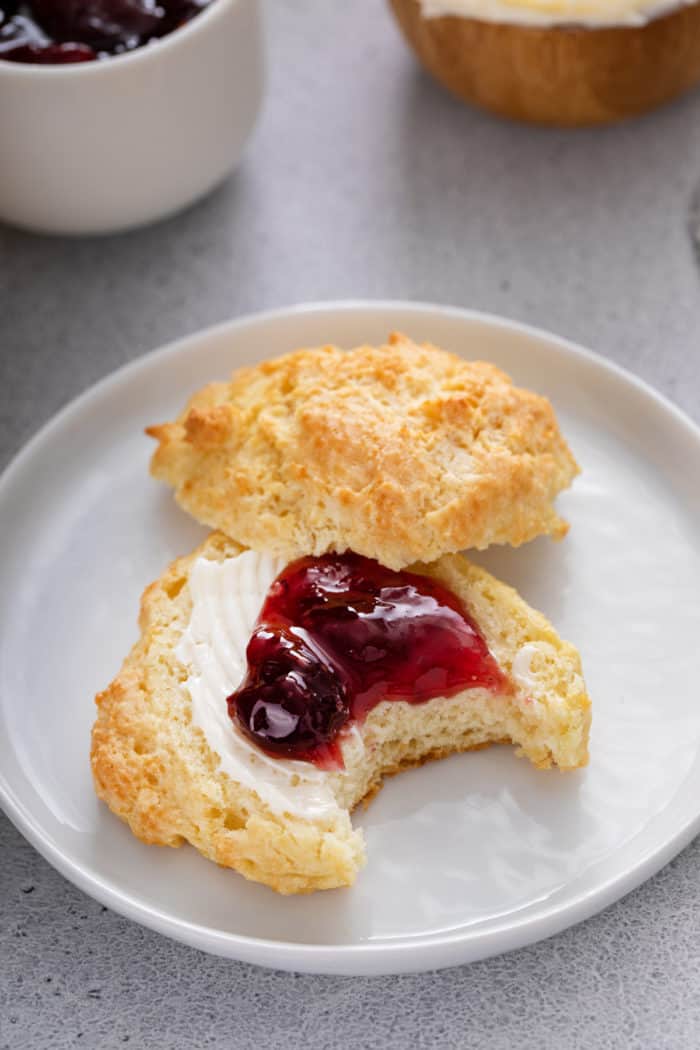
{"type": "Point", "coordinates": [227, 598]}
{"type": "Point", "coordinates": [590, 13]}
{"type": "Point", "coordinates": [521, 671]}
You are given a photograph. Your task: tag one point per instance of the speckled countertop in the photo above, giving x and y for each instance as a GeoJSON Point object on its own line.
{"type": "Point", "coordinates": [364, 179]}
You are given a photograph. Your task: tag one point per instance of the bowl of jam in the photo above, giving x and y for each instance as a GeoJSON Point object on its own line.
{"type": "Point", "coordinates": [115, 113]}
{"type": "Point", "coordinates": [57, 32]}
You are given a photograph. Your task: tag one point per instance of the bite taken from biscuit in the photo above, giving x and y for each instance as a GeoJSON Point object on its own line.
{"type": "Point", "coordinates": [264, 700]}
{"type": "Point", "coordinates": [401, 453]}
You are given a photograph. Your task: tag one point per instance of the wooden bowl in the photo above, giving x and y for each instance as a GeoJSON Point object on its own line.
{"type": "Point", "coordinates": [566, 75]}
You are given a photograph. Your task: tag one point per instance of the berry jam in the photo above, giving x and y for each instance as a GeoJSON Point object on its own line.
{"type": "Point", "coordinates": [340, 633]}
{"type": "Point", "coordinates": [51, 32]}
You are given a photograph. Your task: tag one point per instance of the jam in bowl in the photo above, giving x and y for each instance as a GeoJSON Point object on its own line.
{"type": "Point", "coordinates": [53, 32]}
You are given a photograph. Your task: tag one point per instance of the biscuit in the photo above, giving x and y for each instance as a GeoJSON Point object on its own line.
{"type": "Point", "coordinates": [155, 769]}
{"type": "Point", "coordinates": [401, 453]}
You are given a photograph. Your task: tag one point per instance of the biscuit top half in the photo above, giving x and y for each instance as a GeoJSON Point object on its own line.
{"type": "Point", "coordinates": [402, 453]}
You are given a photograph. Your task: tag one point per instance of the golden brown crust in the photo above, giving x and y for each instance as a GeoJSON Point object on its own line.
{"type": "Point", "coordinates": [558, 74]}
{"type": "Point", "coordinates": [401, 453]}
{"type": "Point", "coordinates": [155, 769]}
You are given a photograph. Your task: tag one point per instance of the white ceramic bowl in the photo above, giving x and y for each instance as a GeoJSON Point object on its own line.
{"type": "Point", "coordinates": [98, 147]}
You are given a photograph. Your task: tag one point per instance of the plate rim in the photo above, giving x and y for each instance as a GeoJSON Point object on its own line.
{"type": "Point", "coordinates": [413, 952]}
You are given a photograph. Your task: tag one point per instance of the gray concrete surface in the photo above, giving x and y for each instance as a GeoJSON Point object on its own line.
{"type": "Point", "coordinates": [364, 179]}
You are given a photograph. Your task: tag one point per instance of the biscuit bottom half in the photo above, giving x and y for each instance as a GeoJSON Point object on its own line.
{"type": "Point", "coordinates": [156, 770]}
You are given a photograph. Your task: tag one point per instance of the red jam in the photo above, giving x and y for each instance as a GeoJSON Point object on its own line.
{"type": "Point", "coordinates": [50, 32]}
{"type": "Point", "coordinates": [340, 633]}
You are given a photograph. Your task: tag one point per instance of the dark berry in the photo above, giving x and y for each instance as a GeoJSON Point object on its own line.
{"type": "Point", "coordinates": [8, 10]}
{"type": "Point", "coordinates": [292, 701]}
{"type": "Point", "coordinates": [103, 24]}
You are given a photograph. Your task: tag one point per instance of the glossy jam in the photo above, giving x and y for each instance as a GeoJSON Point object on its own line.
{"type": "Point", "coordinates": [49, 32]}
{"type": "Point", "coordinates": [340, 633]}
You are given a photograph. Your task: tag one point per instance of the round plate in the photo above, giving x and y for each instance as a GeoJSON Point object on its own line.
{"type": "Point", "coordinates": [471, 856]}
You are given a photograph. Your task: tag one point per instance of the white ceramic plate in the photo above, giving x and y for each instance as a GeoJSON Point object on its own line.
{"type": "Point", "coordinates": [467, 857]}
